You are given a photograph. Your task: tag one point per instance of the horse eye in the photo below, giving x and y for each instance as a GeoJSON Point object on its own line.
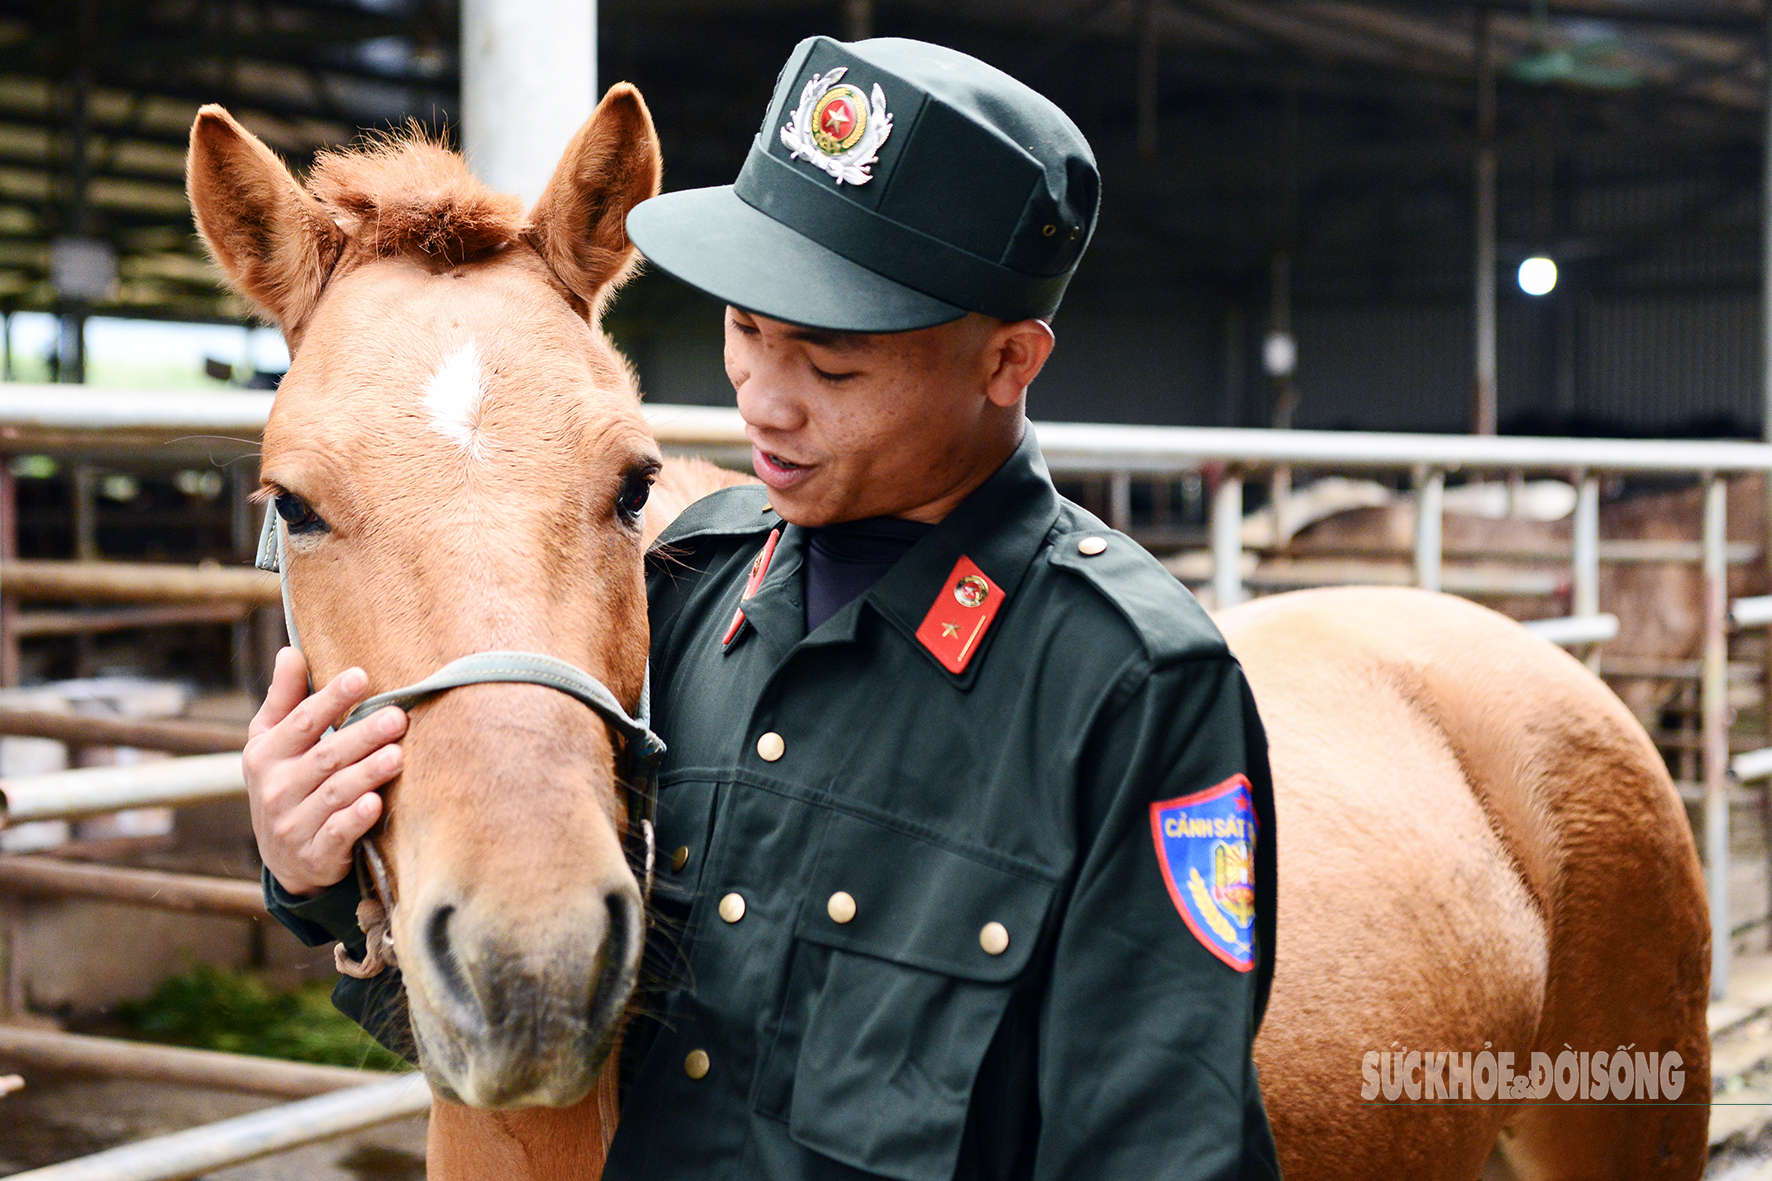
{"type": "Point", "coordinates": [297, 516]}
{"type": "Point", "coordinates": [634, 491]}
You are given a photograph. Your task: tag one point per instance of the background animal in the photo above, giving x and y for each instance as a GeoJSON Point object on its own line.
{"type": "Point", "coordinates": [1659, 604]}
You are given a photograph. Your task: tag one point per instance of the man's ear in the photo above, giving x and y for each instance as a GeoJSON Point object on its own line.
{"type": "Point", "coordinates": [274, 241]}
{"type": "Point", "coordinates": [579, 226]}
{"type": "Point", "coordinates": [1020, 349]}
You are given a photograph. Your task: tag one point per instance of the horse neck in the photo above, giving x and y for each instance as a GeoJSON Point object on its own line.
{"type": "Point", "coordinates": [532, 1144]}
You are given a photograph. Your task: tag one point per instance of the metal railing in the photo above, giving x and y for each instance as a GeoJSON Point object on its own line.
{"type": "Point", "coordinates": [60, 420]}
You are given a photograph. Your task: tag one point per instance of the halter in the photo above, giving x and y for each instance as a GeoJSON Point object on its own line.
{"type": "Point", "coordinates": [641, 748]}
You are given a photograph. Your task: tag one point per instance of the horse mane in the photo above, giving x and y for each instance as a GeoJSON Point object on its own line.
{"type": "Point", "coordinates": [405, 193]}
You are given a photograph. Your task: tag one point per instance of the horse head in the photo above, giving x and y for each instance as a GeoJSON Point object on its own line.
{"type": "Point", "coordinates": [459, 462]}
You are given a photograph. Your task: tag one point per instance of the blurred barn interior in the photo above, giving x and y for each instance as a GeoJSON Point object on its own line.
{"type": "Point", "coordinates": [1302, 166]}
{"type": "Point", "coordinates": [1316, 215]}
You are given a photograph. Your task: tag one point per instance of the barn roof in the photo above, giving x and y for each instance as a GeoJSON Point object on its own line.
{"type": "Point", "coordinates": [1339, 132]}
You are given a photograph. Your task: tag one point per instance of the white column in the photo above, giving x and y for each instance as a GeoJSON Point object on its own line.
{"type": "Point", "coordinates": [1227, 541]}
{"type": "Point", "coordinates": [1430, 508]}
{"type": "Point", "coordinates": [1714, 711]}
{"type": "Point", "coordinates": [528, 81]}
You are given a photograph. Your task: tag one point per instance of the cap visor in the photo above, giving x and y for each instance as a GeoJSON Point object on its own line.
{"type": "Point", "coordinates": [712, 240]}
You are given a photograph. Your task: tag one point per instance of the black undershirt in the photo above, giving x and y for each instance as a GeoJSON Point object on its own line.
{"type": "Point", "coordinates": [844, 561]}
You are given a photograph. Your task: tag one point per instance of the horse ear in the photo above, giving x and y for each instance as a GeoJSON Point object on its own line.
{"type": "Point", "coordinates": [579, 226]}
{"type": "Point", "coordinates": [276, 243]}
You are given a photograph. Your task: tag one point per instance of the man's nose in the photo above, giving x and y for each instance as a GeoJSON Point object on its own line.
{"type": "Point", "coordinates": [764, 401]}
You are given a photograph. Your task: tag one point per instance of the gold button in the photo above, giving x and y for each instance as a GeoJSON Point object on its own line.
{"type": "Point", "coordinates": [732, 907]}
{"type": "Point", "coordinates": [696, 1064]}
{"type": "Point", "coordinates": [771, 747]}
{"type": "Point", "coordinates": [679, 858]}
{"type": "Point", "coordinates": [1090, 546]}
{"type": "Point", "coordinates": [841, 907]}
{"type": "Point", "coordinates": [994, 938]}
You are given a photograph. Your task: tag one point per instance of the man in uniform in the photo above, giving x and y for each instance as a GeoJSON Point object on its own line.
{"type": "Point", "coordinates": [965, 828]}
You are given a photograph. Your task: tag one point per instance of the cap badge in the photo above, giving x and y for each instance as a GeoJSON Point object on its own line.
{"type": "Point", "coordinates": [837, 128]}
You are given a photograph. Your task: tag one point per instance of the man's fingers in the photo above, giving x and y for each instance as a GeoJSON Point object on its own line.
{"type": "Point", "coordinates": [304, 821]}
{"type": "Point", "coordinates": [289, 684]}
{"type": "Point", "coordinates": [345, 772]}
{"type": "Point", "coordinates": [343, 747]}
{"type": "Point", "coordinates": [304, 725]}
{"type": "Point", "coordinates": [329, 853]}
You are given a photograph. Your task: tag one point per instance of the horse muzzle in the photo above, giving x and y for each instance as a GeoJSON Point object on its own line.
{"type": "Point", "coordinates": [513, 1012]}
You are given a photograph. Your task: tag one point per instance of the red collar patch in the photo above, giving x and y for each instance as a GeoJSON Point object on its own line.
{"type": "Point", "coordinates": [759, 569]}
{"type": "Point", "coordinates": [960, 616]}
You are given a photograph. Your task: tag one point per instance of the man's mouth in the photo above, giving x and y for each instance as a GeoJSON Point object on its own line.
{"type": "Point", "coordinates": [776, 471]}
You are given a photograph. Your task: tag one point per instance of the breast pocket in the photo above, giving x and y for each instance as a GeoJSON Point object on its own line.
{"type": "Point", "coordinates": [904, 956]}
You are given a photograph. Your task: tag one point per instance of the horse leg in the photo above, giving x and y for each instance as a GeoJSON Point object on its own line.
{"type": "Point", "coordinates": [531, 1144]}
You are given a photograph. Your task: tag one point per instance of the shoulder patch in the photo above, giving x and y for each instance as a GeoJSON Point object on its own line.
{"type": "Point", "coordinates": [1169, 621]}
{"type": "Point", "coordinates": [1206, 848]}
{"type": "Point", "coordinates": [729, 512]}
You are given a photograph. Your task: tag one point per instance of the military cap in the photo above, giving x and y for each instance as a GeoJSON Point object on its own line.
{"type": "Point", "coordinates": [895, 185]}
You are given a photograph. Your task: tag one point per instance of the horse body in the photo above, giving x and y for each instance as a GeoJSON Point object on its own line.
{"type": "Point", "coordinates": [1477, 843]}
{"type": "Point", "coordinates": [1478, 847]}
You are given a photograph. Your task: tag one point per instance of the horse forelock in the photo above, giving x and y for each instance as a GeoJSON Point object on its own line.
{"type": "Point", "coordinates": [407, 194]}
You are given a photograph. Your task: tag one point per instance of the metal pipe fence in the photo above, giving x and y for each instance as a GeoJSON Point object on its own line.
{"type": "Point", "coordinates": [58, 420]}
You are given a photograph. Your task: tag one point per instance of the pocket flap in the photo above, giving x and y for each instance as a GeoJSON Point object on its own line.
{"type": "Point", "coordinates": [890, 894]}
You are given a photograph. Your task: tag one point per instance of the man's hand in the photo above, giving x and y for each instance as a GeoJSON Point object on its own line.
{"type": "Point", "coordinates": [312, 793]}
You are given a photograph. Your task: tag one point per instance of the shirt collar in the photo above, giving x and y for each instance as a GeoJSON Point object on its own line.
{"type": "Point", "coordinates": [1001, 527]}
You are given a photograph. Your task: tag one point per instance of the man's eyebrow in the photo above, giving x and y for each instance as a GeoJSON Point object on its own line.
{"type": "Point", "coordinates": [840, 342]}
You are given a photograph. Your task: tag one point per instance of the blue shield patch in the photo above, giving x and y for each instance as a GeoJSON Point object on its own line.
{"type": "Point", "coordinates": [1206, 847]}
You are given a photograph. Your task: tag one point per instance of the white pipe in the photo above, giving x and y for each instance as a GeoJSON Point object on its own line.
{"type": "Point", "coordinates": [1430, 511]}
{"type": "Point", "coordinates": [1068, 446]}
{"type": "Point", "coordinates": [1586, 573]}
{"type": "Point", "coordinates": [1120, 500]}
{"type": "Point", "coordinates": [92, 408]}
{"type": "Point", "coordinates": [63, 795]}
{"type": "Point", "coordinates": [1714, 710]}
{"type": "Point", "coordinates": [1755, 764]}
{"type": "Point", "coordinates": [1227, 542]}
{"type": "Point", "coordinates": [1751, 612]}
{"type": "Point", "coordinates": [1574, 631]}
{"type": "Point", "coordinates": [528, 80]}
{"type": "Point", "coordinates": [196, 1151]}
{"type": "Point", "coordinates": [1156, 449]}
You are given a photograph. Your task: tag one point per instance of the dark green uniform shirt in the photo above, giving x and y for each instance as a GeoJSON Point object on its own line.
{"type": "Point", "coordinates": [1105, 1040]}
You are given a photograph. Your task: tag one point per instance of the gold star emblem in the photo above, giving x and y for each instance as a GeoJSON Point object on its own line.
{"type": "Point", "coordinates": [950, 629]}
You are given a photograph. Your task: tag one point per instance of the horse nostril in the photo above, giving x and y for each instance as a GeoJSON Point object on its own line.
{"type": "Point", "coordinates": [437, 933]}
{"type": "Point", "coordinates": [617, 938]}
{"type": "Point", "coordinates": [609, 991]}
{"type": "Point", "coordinates": [443, 958]}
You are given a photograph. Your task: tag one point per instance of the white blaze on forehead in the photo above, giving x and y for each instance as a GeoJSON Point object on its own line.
{"type": "Point", "coordinates": [453, 396]}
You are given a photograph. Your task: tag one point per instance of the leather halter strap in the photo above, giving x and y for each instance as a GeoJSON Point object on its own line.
{"type": "Point", "coordinates": [641, 748]}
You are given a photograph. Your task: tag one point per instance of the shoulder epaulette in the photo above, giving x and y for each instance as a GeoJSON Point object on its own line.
{"type": "Point", "coordinates": [729, 512]}
{"type": "Point", "coordinates": [1169, 621]}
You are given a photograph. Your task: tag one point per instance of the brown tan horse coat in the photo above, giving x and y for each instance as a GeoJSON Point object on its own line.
{"type": "Point", "coordinates": [1478, 845]}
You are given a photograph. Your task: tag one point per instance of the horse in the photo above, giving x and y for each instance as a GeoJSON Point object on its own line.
{"type": "Point", "coordinates": [460, 462]}
{"type": "Point", "coordinates": [1476, 843]}
{"type": "Point", "coordinates": [1479, 849]}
